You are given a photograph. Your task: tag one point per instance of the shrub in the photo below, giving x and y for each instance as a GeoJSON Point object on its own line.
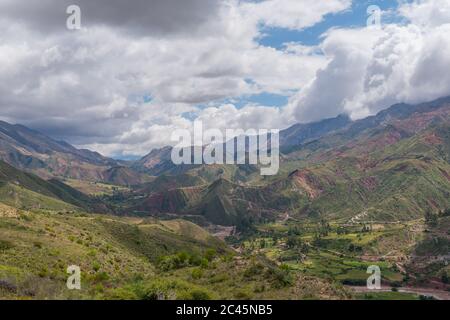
{"type": "Point", "coordinates": [445, 278]}
{"type": "Point", "coordinates": [5, 245]}
{"type": "Point", "coordinates": [96, 266]}
{"type": "Point", "coordinates": [253, 270]}
{"type": "Point", "coordinates": [101, 276]}
{"type": "Point", "coordinates": [204, 263]}
{"type": "Point", "coordinates": [282, 277]}
{"type": "Point", "coordinates": [8, 286]}
{"type": "Point", "coordinates": [243, 295]}
{"type": "Point", "coordinates": [37, 244]}
{"type": "Point", "coordinates": [210, 254]}
{"type": "Point", "coordinates": [195, 260]}
{"type": "Point", "coordinates": [43, 272]}
{"type": "Point", "coordinates": [159, 289]}
{"type": "Point", "coordinates": [197, 273]}
{"type": "Point", "coordinates": [123, 294]}
{"type": "Point", "coordinates": [200, 295]}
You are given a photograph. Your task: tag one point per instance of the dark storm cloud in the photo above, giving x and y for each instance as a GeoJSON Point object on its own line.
{"type": "Point", "coordinates": [144, 17]}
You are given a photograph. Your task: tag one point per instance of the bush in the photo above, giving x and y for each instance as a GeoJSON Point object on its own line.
{"type": "Point", "coordinates": [210, 254]}
{"type": "Point", "coordinates": [200, 295]}
{"type": "Point", "coordinates": [5, 245]}
{"type": "Point", "coordinates": [8, 286]}
{"type": "Point", "coordinates": [180, 260]}
{"type": "Point", "coordinates": [156, 290]}
{"type": "Point", "coordinates": [164, 289]}
{"type": "Point", "coordinates": [243, 295]}
{"type": "Point", "coordinates": [445, 278]}
{"type": "Point", "coordinates": [96, 266]}
{"type": "Point", "coordinates": [282, 276]}
{"type": "Point", "coordinates": [101, 276]}
{"type": "Point", "coordinates": [204, 263]}
{"type": "Point", "coordinates": [197, 273]}
{"type": "Point", "coordinates": [123, 294]}
{"type": "Point", "coordinates": [195, 260]}
{"type": "Point", "coordinates": [43, 272]}
{"type": "Point", "coordinates": [254, 270]}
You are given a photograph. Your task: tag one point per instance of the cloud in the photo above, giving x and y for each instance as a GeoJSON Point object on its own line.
{"type": "Point", "coordinates": [371, 69]}
{"type": "Point", "coordinates": [348, 51]}
{"type": "Point", "coordinates": [426, 12]}
{"type": "Point", "coordinates": [124, 82]}
{"type": "Point", "coordinates": [144, 17]}
{"type": "Point", "coordinates": [92, 87]}
{"type": "Point", "coordinates": [292, 14]}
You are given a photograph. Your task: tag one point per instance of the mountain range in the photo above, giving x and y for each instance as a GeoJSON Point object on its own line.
{"type": "Point", "coordinates": [390, 166]}
{"type": "Point", "coordinates": [29, 150]}
{"type": "Point", "coordinates": [349, 194]}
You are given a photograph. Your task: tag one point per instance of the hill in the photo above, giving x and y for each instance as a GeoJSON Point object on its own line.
{"type": "Point", "coordinates": [27, 191]}
{"type": "Point", "coordinates": [35, 152]}
{"type": "Point", "coordinates": [392, 166]}
{"type": "Point", "coordinates": [129, 258]}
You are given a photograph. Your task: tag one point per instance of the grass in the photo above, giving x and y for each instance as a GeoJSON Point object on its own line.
{"type": "Point", "coordinates": [39, 246]}
{"type": "Point", "coordinates": [19, 197]}
{"type": "Point", "coordinates": [120, 258]}
{"type": "Point", "coordinates": [343, 257]}
{"type": "Point", "coordinates": [95, 188]}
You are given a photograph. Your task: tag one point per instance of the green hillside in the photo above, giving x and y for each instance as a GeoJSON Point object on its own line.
{"type": "Point", "coordinates": [27, 191]}
{"type": "Point", "coordinates": [132, 258]}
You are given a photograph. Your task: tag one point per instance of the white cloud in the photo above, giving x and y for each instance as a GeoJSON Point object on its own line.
{"type": "Point", "coordinates": [426, 12]}
{"type": "Point", "coordinates": [89, 86]}
{"type": "Point", "coordinates": [292, 14]}
{"type": "Point", "coordinates": [371, 69]}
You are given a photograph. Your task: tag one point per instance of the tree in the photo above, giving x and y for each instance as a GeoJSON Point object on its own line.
{"type": "Point", "coordinates": [262, 244]}
{"type": "Point", "coordinates": [445, 278]}
{"type": "Point", "coordinates": [291, 242]}
{"type": "Point", "coordinates": [431, 219]}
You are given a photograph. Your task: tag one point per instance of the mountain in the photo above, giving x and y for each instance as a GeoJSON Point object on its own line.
{"type": "Point", "coordinates": [158, 161]}
{"type": "Point", "coordinates": [391, 166]}
{"type": "Point", "coordinates": [370, 192]}
{"type": "Point", "coordinates": [124, 176]}
{"type": "Point", "coordinates": [28, 191]}
{"type": "Point", "coordinates": [35, 152]}
{"type": "Point", "coordinates": [301, 133]}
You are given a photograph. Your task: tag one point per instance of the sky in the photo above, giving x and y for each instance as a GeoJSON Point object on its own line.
{"type": "Point", "coordinates": [139, 69]}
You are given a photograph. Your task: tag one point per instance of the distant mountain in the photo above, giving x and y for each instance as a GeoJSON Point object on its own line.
{"type": "Point", "coordinates": [158, 161]}
{"type": "Point", "coordinates": [301, 133]}
{"type": "Point", "coordinates": [124, 176]}
{"type": "Point", "coordinates": [35, 152]}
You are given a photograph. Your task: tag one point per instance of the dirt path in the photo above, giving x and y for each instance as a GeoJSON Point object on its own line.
{"type": "Point", "coordinates": [437, 294]}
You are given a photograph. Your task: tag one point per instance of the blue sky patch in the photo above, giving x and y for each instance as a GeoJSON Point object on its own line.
{"type": "Point", "coordinates": [354, 17]}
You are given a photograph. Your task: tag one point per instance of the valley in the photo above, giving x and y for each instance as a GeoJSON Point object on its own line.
{"type": "Point", "coordinates": [349, 195]}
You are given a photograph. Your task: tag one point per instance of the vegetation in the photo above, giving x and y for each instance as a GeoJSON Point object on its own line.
{"type": "Point", "coordinates": [373, 193]}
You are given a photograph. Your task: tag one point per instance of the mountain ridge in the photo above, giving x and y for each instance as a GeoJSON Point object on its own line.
{"type": "Point", "coordinates": [394, 168]}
